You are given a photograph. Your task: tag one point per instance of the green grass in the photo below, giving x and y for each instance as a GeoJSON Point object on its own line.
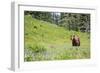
{"type": "Point", "coordinates": [46, 41]}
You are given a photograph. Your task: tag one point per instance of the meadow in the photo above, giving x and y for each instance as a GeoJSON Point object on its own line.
{"type": "Point", "coordinates": [46, 41]}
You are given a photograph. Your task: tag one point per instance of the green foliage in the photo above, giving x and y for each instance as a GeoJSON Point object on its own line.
{"type": "Point", "coordinates": [37, 48]}
{"type": "Point", "coordinates": [45, 16]}
{"type": "Point", "coordinates": [75, 21]}
{"type": "Point", "coordinates": [28, 58]}
{"type": "Point", "coordinates": [70, 21]}
{"type": "Point", "coordinates": [46, 41]}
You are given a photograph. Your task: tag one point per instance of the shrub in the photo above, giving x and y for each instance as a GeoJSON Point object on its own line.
{"type": "Point", "coordinates": [29, 58]}
{"type": "Point", "coordinates": [40, 25]}
{"type": "Point", "coordinates": [35, 27]}
{"type": "Point", "coordinates": [37, 48]}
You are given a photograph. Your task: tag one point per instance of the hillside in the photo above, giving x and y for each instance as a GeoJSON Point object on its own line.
{"type": "Point", "coordinates": [46, 41]}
